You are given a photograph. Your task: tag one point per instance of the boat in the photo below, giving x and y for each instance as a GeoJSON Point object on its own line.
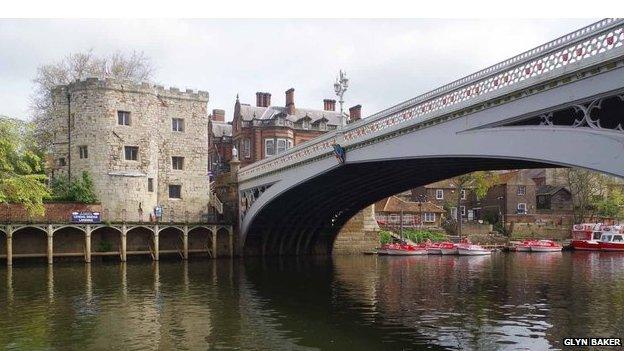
{"type": "Point", "coordinates": [472, 250]}
{"type": "Point", "coordinates": [401, 250]}
{"type": "Point", "coordinates": [545, 246]}
{"type": "Point", "coordinates": [524, 246]}
{"type": "Point", "coordinates": [434, 249]}
{"type": "Point", "coordinates": [612, 239]}
{"type": "Point", "coordinates": [585, 236]}
{"type": "Point", "coordinates": [448, 248]}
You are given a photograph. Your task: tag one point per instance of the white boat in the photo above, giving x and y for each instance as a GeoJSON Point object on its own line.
{"type": "Point", "coordinates": [448, 248]}
{"type": "Point", "coordinates": [472, 250]}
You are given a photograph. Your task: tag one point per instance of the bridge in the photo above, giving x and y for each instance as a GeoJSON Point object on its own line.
{"type": "Point", "coordinates": [558, 105]}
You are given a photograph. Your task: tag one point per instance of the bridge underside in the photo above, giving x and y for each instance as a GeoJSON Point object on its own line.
{"type": "Point", "coordinates": [306, 219]}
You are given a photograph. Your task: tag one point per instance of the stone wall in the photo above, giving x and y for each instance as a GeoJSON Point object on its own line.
{"type": "Point", "coordinates": [360, 234]}
{"type": "Point", "coordinates": [89, 110]}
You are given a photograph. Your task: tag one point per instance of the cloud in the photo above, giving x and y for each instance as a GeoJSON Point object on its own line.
{"type": "Point", "coordinates": [387, 61]}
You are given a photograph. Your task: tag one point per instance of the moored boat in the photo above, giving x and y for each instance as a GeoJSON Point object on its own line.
{"type": "Point", "coordinates": [434, 249]}
{"type": "Point", "coordinates": [612, 239]}
{"type": "Point", "coordinates": [545, 246]}
{"type": "Point", "coordinates": [524, 246]}
{"type": "Point", "coordinates": [586, 236]}
{"type": "Point", "coordinates": [472, 250]}
{"type": "Point", "coordinates": [448, 248]}
{"type": "Point", "coordinates": [401, 250]}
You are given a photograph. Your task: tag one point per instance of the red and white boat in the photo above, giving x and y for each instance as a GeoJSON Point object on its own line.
{"type": "Point", "coordinates": [467, 249]}
{"type": "Point", "coordinates": [612, 239]}
{"type": "Point", "coordinates": [545, 246]}
{"type": "Point", "coordinates": [524, 246]}
{"type": "Point", "coordinates": [448, 248]}
{"type": "Point", "coordinates": [586, 236]}
{"type": "Point", "coordinates": [434, 249]}
{"type": "Point", "coordinates": [401, 250]}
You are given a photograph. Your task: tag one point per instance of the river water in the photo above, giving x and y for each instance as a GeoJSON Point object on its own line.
{"type": "Point", "coordinates": [504, 302]}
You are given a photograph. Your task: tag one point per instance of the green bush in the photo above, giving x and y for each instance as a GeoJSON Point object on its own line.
{"type": "Point", "coordinates": [419, 236]}
{"type": "Point", "coordinates": [78, 190]}
{"type": "Point", "coordinates": [385, 237]}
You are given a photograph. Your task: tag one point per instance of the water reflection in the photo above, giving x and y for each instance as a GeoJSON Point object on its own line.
{"type": "Point", "coordinates": [506, 301]}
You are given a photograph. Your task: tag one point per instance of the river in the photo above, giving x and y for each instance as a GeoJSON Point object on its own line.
{"type": "Point", "coordinates": [508, 301]}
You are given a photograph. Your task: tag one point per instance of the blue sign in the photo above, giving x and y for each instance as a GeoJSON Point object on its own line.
{"type": "Point", "coordinates": [85, 217]}
{"type": "Point", "coordinates": [158, 211]}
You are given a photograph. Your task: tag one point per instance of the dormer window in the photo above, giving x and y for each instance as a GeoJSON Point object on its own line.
{"type": "Point", "coordinates": [323, 125]}
{"type": "Point", "coordinates": [306, 124]}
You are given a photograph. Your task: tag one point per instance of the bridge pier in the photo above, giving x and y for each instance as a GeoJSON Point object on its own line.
{"type": "Point", "coordinates": [215, 254]}
{"type": "Point", "coordinates": [231, 239]}
{"type": "Point", "coordinates": [185, 231]}
{"type": "Point", "coordinates": [9, 246]}
{"type": "Point", "coordinates": [156, 251]}
{"type": "Point", "coordinates": [50, 250]}
{"type": "Point", "coordinates": [88, 244]}
{"type": "Point", "coordinates": [124, 232]}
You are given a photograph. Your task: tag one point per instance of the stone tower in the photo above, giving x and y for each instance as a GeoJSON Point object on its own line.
{"type": "Point", "coordinates": [143, 145]}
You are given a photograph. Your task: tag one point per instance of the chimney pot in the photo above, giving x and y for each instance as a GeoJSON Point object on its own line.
{"type": "Point", "coordinates": [218, 115]}
{"type": "Point", "coordinates": [290, 101]}
{"type": "Point", "coordinates": [329, 105]}
{"type": "Point", "coordinates": [355, 113]}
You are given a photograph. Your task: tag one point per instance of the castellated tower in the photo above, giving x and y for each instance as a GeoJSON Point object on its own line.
{"type": "Point", "coordinates": [143, 145]}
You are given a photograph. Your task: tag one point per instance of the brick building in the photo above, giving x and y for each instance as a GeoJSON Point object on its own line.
{"type": "Point", "coordinates": [144, 147]}
{"type": "Point", "coordinates": [388, 212]}
{"type": "Point", "coordinates": [444, 194]}
{"type": "Point", "coordinates": [265, 130]}
{"type": "Point", "coordinates": [513, 194]}
{"type": "Point", "coordinates": [219, 142]}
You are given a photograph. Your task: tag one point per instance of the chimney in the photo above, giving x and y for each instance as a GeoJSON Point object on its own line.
{"type": "Point", "coordinates": [263, 99]}
{"type": "Point", "coordinates": [329, 105]}
{"type": "Point", "coordinates": [218, 115]}
{"type": "Point", "coordinates": [267, 99]}
{"type": "Point", "coordinates": [355, 113]}
{"type": "Point", "coordinates": [290, 101]}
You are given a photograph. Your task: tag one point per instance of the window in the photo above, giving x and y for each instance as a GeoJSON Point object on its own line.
{"type": "Point", "coordinates": [521, 190]}
{"type": "Point", "coordinates": [61, 161]}
{"type": "Point", "coordinates": [83, 151]}
{"type": "Point", "coordinates": [394, 218]}
{"type": "Point", "coordinates": [439, 194]}
{"type": "Point", "coordinates": [322, 126]}
{"type": "Point", "coordinates": [150, 185]}
{"type": "Point", "coordinates": [247, 148]}
{"type": "Point", "coordinates": [131, 153]}
{"type": "Point", "coordinates": [177, 124]}
{"type": "Point", "coordinates": [618, 239]}
{"type": "Point", "coordinates": [463, 194]}
{"type": "Point", "coordinates": [175, 191]}
{"type": "Point", "coordinates": [123, 118]}
{"type": "Point", "coordinates": [290, 143]}
{"type": "Point", "coordinates": [269, 147]}
{"type": "Point", "coordinates": [306, 124]}
{"type": "Point", "coordinates": [463, 210]}
{"type": "Point", "coordinates": [177, 163]}
{"type": "Point", "coordinates": [429, 217]}
{"type": "Point", "coordinates": [522, 208]}
{"type": "Point", "coordinates": [281, 145]}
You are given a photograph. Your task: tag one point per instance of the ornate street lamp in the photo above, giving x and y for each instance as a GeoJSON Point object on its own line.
{"type": "Point", "coordinates": [341, 85]}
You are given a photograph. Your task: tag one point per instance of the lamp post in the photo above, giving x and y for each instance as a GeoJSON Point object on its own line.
{"type": "Point", "coordinates": [340, 87]}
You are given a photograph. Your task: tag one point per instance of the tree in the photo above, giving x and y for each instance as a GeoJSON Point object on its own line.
{"type": "Point", "coordinates": [77, 190]}
{"type": "Point", "coordinates": [135, 67]}
{"type": "Point", "coordinates": [611, 205]}
{"type": "Point", "coordinates": [586, 187]}
{"type": "Point", "coordinates": [21, 168]}
{"type": "Point", "coordinates": [480, 182]}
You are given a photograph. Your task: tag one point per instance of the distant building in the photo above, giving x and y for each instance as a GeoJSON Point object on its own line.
{"type": "Point", "coordinates": [513, 194]}
{"type": "Point", "coordinates": [553, 199]}
{"type": "Point", "coordinates": [266, 130]}
{"type": "Point", "coordinates": [388, 212]}
{"type": "Point", "coordinates": [144, 146]}
{"type": "Point", "coordinates": [219, 142]}
{"type": "Point", "coordinates": [444, 194]}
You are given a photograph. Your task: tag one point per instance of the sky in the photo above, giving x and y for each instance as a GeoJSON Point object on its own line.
{"type": "Point", "coordinates": [387, 61]}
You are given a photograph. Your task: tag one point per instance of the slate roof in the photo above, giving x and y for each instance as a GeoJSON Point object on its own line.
{"type": "Point", "coordinates": [394, 204]}
{"type": "Point", "coordinates": [220, 129]}
{"type": "Point", "coordinates": [549, 190]}
{"type": "Point", "coordinates": [249, 112]}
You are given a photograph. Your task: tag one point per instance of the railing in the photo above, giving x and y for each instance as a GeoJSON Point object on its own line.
{"type": "Point", "coordinates": [578, 49]}
{"type": "Point", "coordinates": [214, 199]}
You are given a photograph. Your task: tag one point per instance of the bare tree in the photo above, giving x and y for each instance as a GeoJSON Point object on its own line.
{"type": "Point", "coordinates": [134, 67]}
{"type": "Point", "coordinates": [586, 188]}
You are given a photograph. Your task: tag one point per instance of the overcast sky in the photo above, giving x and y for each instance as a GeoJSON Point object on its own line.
{"type": "Point", "coordinates": [387, 61]}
